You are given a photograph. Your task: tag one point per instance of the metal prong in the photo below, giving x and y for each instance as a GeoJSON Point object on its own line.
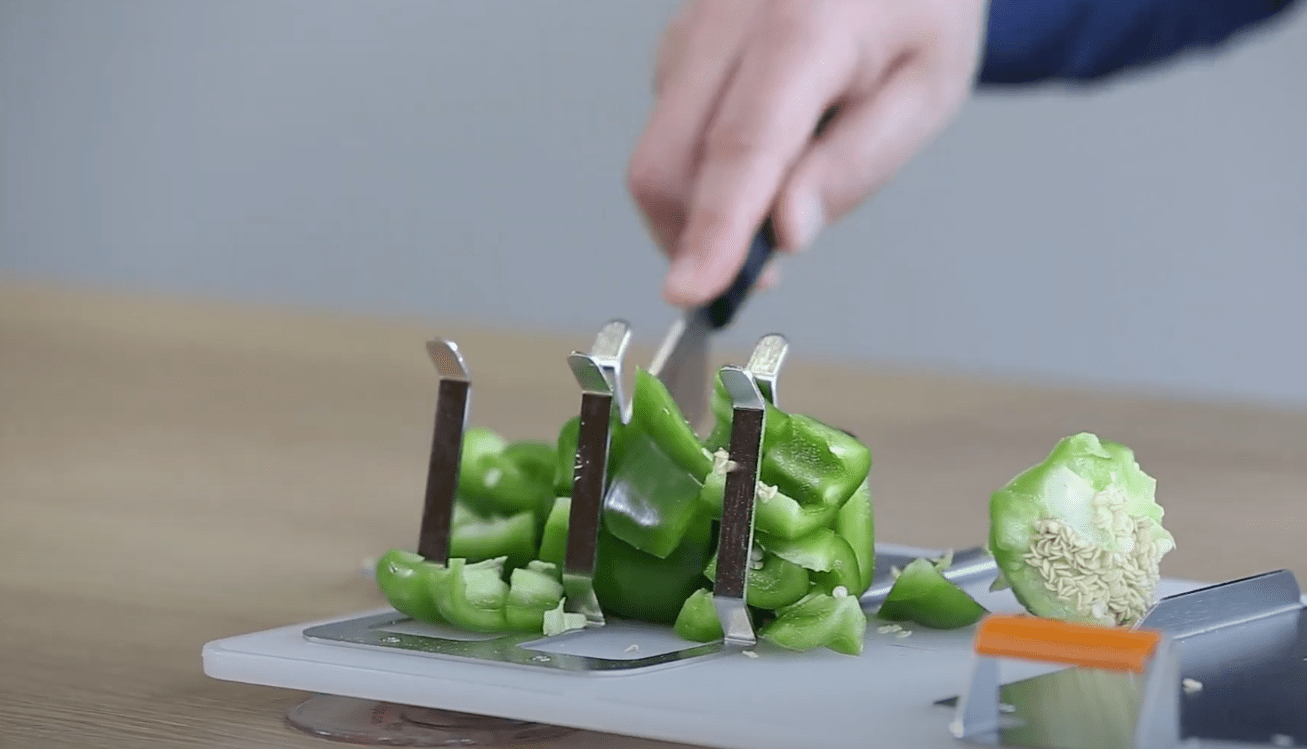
{"type": "Point", "coordinates": [588, 482]}
{"type": "Point", "coordinates": [446, 449]}
{"type": "Point", "coordinates": [608, 351]}
{"type": "Point", "coordinates": [735, 541]}
{"type": "Point", "coordinates": [766, 361]}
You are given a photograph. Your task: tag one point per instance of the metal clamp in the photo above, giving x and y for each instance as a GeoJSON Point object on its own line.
{"type": "Point", "coordinates": [446, 450]}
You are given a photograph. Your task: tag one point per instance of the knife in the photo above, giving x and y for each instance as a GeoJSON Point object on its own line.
{"type": "Point", "coordinates": [681, 362]}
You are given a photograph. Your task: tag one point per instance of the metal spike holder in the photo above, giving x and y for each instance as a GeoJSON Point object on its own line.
{"type": "Point", "coordinates": [599, 377]}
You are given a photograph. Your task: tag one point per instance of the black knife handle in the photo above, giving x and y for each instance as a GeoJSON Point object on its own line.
{"type": "Point", "coordinates": [721, 311]}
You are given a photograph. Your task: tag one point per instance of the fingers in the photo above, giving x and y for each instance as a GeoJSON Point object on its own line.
{"type": "Point", "coordinates": [862, 150]}
{"type": "Point", "coordinates": [792, 71]}
{"type": "Point", "coordinates": [698, 55]}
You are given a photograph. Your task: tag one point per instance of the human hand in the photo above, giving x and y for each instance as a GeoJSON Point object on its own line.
{"type": "Point", "coordinates": [741, 85]}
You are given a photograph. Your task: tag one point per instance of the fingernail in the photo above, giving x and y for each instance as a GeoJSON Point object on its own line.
{"type": "Point", "coordinates": [809, 218]}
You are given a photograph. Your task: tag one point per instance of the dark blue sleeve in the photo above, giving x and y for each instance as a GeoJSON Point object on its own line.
{"type": "Point", "coordinates": [1084, 40]}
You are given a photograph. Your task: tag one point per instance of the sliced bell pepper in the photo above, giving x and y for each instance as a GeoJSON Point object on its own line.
{"type": "Point", "coordinates": [814, 463]}
{"type": "Point", "coordinates": [819, 620]}
{"type": "Point", "coordinates": [698, 620]}
{"type": "Point", "coordinates": [553, 541]}
{"type": "Point", "coordinates": [556, 621]}
{"type": "Point", "coordinates": [923, 595]}
{"type": "Point", "coordinates": [856, 524]}
{"type": "Point", "coordinates": [510, 480]}
{"type": "Point", "coordinates": [632, 584]}
{"type": "Point", "coordinates": [774, 513]}
{"type": "Point", "coordinates": [472, 596]}
{"type": "Point", "coordinates": [773, 582]}
{"type": "Point", "coordinates": [407, 581]}
{"type": "Point", "coordinates": [655, 414]}
{"type": "Point", "coordinates": [476, 538]}
{"type": "Point", "coordinates": [824, 553]}
{"type": "Point", "coordinates": [532, 591]}
{"type": "Point", "coordinates": [652, 500]}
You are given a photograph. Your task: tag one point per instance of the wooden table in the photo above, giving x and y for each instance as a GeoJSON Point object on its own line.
{"type": "Point", "coordinates": [174, 472]}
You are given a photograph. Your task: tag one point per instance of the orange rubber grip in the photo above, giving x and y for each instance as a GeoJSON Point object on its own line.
{"type": "Point", "coordinates": [1037, 639]}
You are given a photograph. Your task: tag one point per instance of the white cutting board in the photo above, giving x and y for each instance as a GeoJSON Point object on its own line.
{"type": "Point", "coordinates": [779, 700]}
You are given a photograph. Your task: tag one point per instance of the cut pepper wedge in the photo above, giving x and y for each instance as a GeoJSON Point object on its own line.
{"type": "Point", "coordinates": [774, 513]}
{"type": "Point", "coordinates": [654, 413]}
{"type": "Point", "coordinates": [819, 620]}
{"type": "Point", "coordinates": [532, 591]}
{"type": "Point", "coordinates": [472, 596]}
{"type": "Point", "coordinates": [923, 595]}
{"type": "Point", "coordinates": [698, 620]}
{"type": "Point", "coordinates": [814, 463]}
{"type": "Point", "coordinates": [825, 554]}
{"type": "Point", "coordinates": [856, 524]}
{"type": "Point", "coordinates": [406, 580]}
{"type": "Point", "coordinates": [772, 584]}
{"type": "Point", "coordinates": [477, 538]}
{"type": "Point", "coordinates": [657, 500]}
{"type": "Point", "coordinates": [632, 584]}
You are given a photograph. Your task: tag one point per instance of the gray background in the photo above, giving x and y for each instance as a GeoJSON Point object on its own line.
{"type": "Point", "coordinates": [466, 159]}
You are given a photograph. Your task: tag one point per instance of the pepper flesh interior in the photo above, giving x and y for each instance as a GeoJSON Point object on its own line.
{"type": "Point", "coordinates": [1079, 536]}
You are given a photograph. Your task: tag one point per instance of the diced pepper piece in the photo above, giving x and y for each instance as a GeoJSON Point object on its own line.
{"type": "Point", "coordinates": [476, 538]}
{"type": "Point", "coordinates": [553, 542]}
{"type": "Point", "coordinates": [533, 590]}
{"type": "Point", "coordinates": [653, 500]}
{"type": "Point", "coordinates": [1079, 536]}
{"type": "Point", "coordinates": [565, 459]}
{"type": "Point", "coordinates": [923, 595]}
{"type": "Point", "coordinates": [536, 458]}
{"type": "Point", "coordinates": [407, 581]}
{"type": "Point", "coordinates": [479, 442]}
{"type": "Point", "coordinates": [472, 596]}
{"type": "Point", "coordinates": [557, 621]}
{"type": "Point", "coordinates": [698, 620]}
{"type": "Point", "coordinates": [856, 524]}
{"type": "Point", "coordinates": [773, 512]}
{"type": "Point", "coordinates": [773, 582]}
{"type": "Point", "coordinates": [815, 464]}
{"type": "Point", "coordinates": [655, 414]}
{"type": "Point", "coordinates": [631, 584]}
{"type": "Point", "coordinates": [505, 482]}
{"type": "Point", "coordinates": [828, 556]}
{"type": "Point", "coordinates": [819, 620]}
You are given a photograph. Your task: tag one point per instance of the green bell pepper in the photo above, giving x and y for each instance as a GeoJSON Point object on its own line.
{"type": "Point", "coordinates": [819, 620]}
{"type": "Point", "coordinates": [407, 580]}
{"type": "Point", "coordinates": [773, 512]}
{"type": "Point", "coordinates": [632, 584]}
{"type": "Point", "coordinates": [472, 596]}
{"type": "Point", "coordinates": [654, 413]}
{"type": "Point", "coordinates": [533, 590]}
{"type": "Point", "coordinates": [656, 500]}
{"type": "Point", "coordinates": [829, 558]}
{"type": "Point", "coordinates": [565, 452]}
{"type": "Point", "coordinates": [773, 582]}
{"type": "Point", "coordinates": [856, 524]}
{"type": "Point", "coordinates": [698, 620]}
{"type": "Point", "coordinates": [501, 478]}
{"type": "Point", "coordinates": [923, 595]}
{"type": "Point", "coordinates": [478, 538]}
{"type": "Point", "coordinates": [816, 464]}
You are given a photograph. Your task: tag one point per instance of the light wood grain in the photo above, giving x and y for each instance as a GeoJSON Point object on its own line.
{"type": "Point", "coordinates": [173, 472]}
